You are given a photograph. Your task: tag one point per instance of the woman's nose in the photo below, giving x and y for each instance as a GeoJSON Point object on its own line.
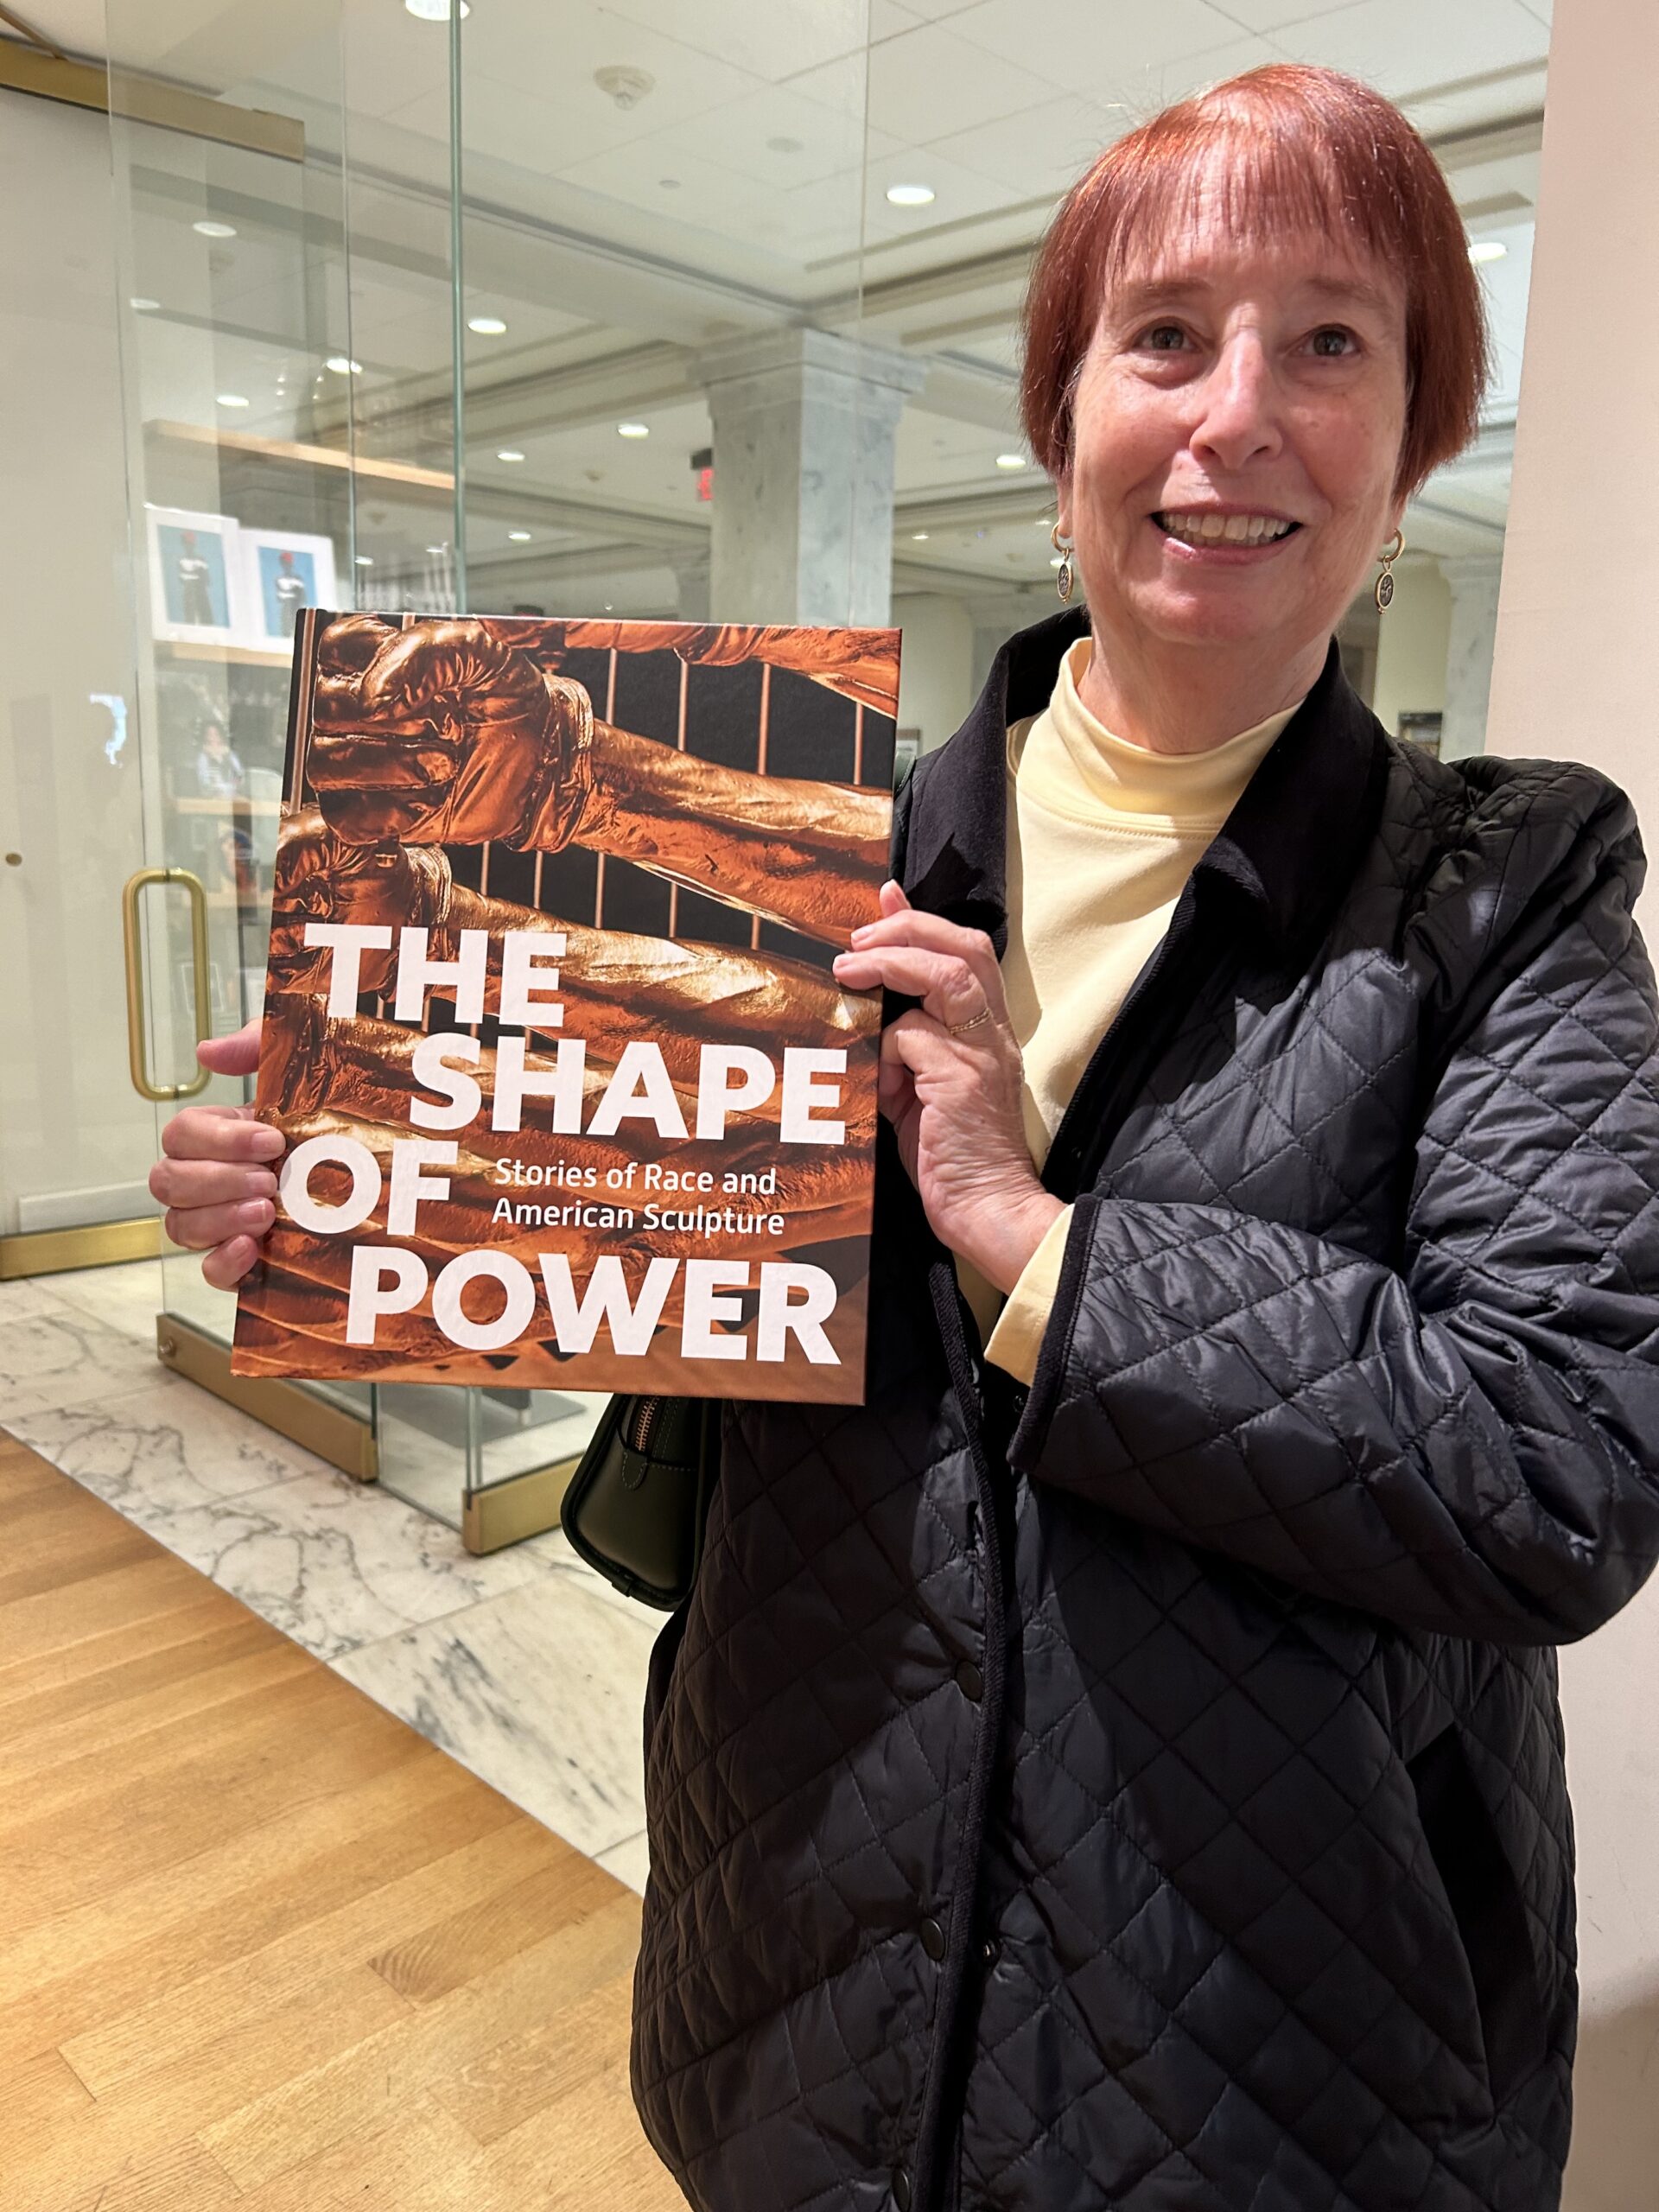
{"type": "Point", "coordinates": [1238, 416]}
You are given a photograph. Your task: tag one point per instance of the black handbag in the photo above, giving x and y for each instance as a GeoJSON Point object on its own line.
{"type": "Point", "coordinates": [635, 1506]}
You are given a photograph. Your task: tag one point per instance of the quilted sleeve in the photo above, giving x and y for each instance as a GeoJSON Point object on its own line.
{"type": "Point", "coordinates": [1468, 1444]}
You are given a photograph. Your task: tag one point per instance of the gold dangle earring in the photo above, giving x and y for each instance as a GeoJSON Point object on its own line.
{"type": "Point", "coordinates": [1385, 581]}
{"type": "Point", "coordinates": [1068, 574]}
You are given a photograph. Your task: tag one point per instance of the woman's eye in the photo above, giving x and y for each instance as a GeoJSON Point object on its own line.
{"type": "Point", "coordinates": [1333, 340]}
{"type": "Point", "coordinates": [1165, 338]}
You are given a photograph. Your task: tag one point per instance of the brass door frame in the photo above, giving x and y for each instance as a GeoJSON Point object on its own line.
{"type": "Point", "coordinates": [344, 1439]}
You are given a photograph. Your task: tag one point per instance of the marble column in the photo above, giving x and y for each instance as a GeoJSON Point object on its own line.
{"type": "Point", "coordinates": [1472, 579]}
{"type": "Point", "coordinates": [691, 578]}
{"type": "Point", "coordinates": [803, 431]}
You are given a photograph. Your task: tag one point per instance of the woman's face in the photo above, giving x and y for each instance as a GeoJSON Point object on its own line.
{"type": "Point", "coordinates": [1240, 388]}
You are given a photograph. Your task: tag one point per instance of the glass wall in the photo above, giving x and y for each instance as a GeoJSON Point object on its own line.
{"type": "Point", "coordinates": [641, 309]}
{"type": "Point", "coordinates": [367, 362]}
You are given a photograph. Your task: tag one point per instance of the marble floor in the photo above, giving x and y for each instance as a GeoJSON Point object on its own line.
{"type": "Point", "coordinates": [526, 1667]}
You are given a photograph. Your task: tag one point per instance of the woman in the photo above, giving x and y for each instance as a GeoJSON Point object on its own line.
{"type": "Point", "coordinates": [1120, 1765]}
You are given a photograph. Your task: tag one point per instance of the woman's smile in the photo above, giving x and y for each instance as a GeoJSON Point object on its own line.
{"type": "Point", "coordinates": [1224, 536]}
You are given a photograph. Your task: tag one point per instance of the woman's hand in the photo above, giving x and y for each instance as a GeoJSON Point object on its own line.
{"type": "Point", "coordinates": [217, 1180]}
{"type": "Point", "coordinates": [954, 1099]}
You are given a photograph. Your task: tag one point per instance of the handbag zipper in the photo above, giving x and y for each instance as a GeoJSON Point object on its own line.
{"type": "Point", "coordinates": [644, 1420]}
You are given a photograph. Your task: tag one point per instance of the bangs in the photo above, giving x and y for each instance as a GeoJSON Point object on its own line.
{"type": "Point", "coordinates": [1282, 153]}
{"type": "Point", "coordinates": [1265, 186]}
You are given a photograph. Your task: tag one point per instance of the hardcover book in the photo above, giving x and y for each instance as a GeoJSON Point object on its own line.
{"type": "Point", "coordinates": [572, 1098]}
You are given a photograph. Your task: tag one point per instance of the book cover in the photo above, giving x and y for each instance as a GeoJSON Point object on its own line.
{"type": "Point", "coordinates": [572, 1100]}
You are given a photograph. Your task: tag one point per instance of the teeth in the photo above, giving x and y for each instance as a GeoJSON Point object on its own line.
{"type": "Point", "coordinates": [1206, 528]}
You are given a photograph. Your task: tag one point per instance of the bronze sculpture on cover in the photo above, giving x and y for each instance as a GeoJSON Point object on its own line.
{"type": "Point", "coordinates": [572, 1098]}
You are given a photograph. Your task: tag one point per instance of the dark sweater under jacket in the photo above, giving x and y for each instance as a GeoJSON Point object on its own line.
{"type": "Point", "coordinates": [1147, 1793]}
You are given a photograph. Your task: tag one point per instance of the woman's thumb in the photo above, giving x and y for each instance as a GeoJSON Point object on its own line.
{"type": "Point", "coordinates": [236, 1055]}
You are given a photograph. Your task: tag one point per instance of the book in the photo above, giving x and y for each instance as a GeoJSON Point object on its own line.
{"type": "Point", "coordinates": [572, 1098]}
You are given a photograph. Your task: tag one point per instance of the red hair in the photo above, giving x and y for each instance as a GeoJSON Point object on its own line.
{"type": "Point", "coordinates": [1287, 148]}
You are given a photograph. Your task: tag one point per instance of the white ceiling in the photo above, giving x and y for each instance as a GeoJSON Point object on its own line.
{"type": "Point", "coordinates": [747, 187]}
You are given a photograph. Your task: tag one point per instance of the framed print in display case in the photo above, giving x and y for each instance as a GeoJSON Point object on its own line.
{"type": "Point", "coordinates": [284, 570]}
{"type": "Point", "coordinates": [197, 592]}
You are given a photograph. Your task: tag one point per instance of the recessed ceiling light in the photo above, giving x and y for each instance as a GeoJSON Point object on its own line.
{"type": "Point", "coordinates": [509, 453]}
{"type": "Point", "coordinates": [633, 429]}
{"type": "Point", "coordinates": [1010, 460]}
{"type": "Point", "coordinates": [519, 537]}
{"type": "Point", "coordinates": [343, 366]}
{"type": "Point", "coordinates": [231, 398]}
{"type": "Point", "coordinates": [436, 11]}
{"type": "Point", "coordinates": [437, 549]}
{"type": "Point", "coordinates": [918, 536]}
{"type": "Point", "coordinates": [1045, 522]}
{"type": "Point", "coordinates": [365, 560]}
{"type": "Point", "coordinates": [1487, 250]}
{"type": "Point", "coordinates": [1058, 561]}
{"type": "Point", "coordinates": [214, 230]}
{"type": "Point", "coordinates": [487, 325]}
{"type": "Point", "coordinates": [143, 306]}
{"type": "Point", "coordinates": [910, 195]}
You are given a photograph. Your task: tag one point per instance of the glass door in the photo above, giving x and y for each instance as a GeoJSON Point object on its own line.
{"type": "Point", "coordinates": [348, 382]}
{"type": "Point", "coordinates": [288, 392]}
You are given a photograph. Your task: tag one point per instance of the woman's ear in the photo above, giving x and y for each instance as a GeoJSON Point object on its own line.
{"type": "Point", "coordinates": [1063, 504]}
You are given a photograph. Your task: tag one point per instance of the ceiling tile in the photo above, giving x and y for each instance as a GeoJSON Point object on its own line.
{"type": "Point", "coordinates": [1404, 46]}
{"type": "Point", "coordinates": [959, 192]}
{"type": "Point", "coordinates": [778, 137]}
{"type": "Point", "coordinates": [550, 55]}
{"type": "Point", "coordinates": [1197, 73]}
{"type": "Point", "coordinates": [928, 83]}
{"type": "Point", "coordinates": [772, 38]}
{"type": "Point", "coordinates": [1270, 15]}
{"type": "Point", "coordinates": [1041, 150]}
{"type": "Point", "coordinates": [673, 187]}
{"type": "Point", "coordinates": [1083, 45]}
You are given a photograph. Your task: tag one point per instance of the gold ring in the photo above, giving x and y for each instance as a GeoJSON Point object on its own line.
{"type": "Point", "coordinates": [961, 1028]}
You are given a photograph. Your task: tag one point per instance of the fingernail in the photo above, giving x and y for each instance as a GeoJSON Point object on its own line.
{"type": "Point", "coordinates": [257, 1214]}
{"type": "Point", "coordinates": [267, 1141]}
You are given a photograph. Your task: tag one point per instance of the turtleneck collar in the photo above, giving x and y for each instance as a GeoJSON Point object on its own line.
{"type": "Point", "coordinates": [1070, 763]}
{"type": "Point", "coordinates": [1285, 853]}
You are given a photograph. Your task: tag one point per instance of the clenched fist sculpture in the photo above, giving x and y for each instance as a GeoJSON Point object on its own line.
{"type": "Point", "coordinates": [447, 732]}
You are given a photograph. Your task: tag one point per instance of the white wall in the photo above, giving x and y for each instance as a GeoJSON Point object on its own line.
{"type": "Point", "coordinates": [72, 1132]}
{"type": "Point", "coordinates": [1412, 639]}
{"type": "Point", "coordinates": [1574, 676]}
{"type": "Point", "coordinates": [936, 666]}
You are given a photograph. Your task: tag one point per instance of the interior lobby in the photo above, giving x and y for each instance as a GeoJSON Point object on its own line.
{"type": "Point", "coordinates": [670, 310]}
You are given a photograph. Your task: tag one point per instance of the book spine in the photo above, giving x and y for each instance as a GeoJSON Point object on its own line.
{"type": "Point", "coordinates": [300, 685]}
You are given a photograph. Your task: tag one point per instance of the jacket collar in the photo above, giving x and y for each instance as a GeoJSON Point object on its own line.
{"type": "Point", "coordinates": [1285, 853]}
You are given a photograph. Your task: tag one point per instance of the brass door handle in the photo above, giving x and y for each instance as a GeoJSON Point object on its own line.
{"type": "Point", "coordinates": [131, 892]}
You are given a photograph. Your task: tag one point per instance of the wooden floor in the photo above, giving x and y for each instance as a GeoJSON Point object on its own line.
{"type": "Point", "coordinates": [261, 1945]}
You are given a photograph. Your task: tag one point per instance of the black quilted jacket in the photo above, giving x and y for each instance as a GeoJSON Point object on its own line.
{"type": "Point", "coordinates": [1148, 1794]}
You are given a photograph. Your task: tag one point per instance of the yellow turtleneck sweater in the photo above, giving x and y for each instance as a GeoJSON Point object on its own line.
{"type": "Point", "coordinates": [1102, 837]}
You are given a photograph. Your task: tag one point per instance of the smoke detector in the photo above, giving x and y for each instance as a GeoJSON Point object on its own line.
{"type": "Point", "coordinates": [626, 85]}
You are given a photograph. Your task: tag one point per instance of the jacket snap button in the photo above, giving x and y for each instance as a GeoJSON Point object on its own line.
{"type": "Point", "coordinates": [970, 1680]}
{"type": "Point", "coordinates": [988, 1952]}
{"type": "Point", "coordinates": [902, 2188]}
{"type": "Point", "coordinates": [932, 1937]}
